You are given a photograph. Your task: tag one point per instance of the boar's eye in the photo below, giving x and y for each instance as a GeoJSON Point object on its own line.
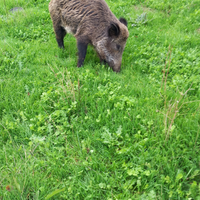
{"type": "Point", "coordinates": [118, 47]}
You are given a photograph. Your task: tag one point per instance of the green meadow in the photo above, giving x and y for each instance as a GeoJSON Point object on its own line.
{"type": "Point", "coordinates": [90, 133]}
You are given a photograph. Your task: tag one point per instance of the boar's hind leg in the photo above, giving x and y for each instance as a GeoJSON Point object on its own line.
{"type": "Point", "coordinates": [60, 34]}
{"type": "Point", "coordinates": [82, 49]}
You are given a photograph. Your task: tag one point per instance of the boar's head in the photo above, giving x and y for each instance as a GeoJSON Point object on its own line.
{"type": "Point", "coordinates": [110, 48]}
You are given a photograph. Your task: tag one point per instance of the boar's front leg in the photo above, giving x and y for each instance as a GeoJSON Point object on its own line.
{"type": "Point", "coordinates": [82, 50]}
{"type": "Point", "coordinates": [60, 34]}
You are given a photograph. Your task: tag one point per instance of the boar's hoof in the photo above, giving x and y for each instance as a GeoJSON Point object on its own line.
{"type": "Point", "coordinates": [60, 43]}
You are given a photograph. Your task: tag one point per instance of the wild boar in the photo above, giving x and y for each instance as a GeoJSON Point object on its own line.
{"type": "Point", "coordinates": [91, 22]}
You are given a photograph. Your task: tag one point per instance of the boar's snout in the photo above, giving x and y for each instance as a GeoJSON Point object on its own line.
{"type": "Point", "coordinates": [115, 67]}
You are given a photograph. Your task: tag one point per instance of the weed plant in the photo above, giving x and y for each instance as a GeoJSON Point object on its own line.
{"type": "Point", "coordinates": [89, 133]}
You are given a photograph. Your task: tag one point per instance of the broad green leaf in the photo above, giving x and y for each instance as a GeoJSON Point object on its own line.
{"type": "Point", "coordinates": [179, 176]}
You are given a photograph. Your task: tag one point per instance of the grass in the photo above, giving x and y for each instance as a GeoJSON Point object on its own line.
{"type": "Point", "coordinates": [89, 133]}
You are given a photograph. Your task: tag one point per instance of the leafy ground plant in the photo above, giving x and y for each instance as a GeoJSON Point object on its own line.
{"type": "Point", "coordinates": [89, 133]}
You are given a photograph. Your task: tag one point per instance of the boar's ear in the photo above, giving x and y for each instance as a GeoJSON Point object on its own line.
{"type": "Point", "coordinates": [123, 21]}
{"type": "Point", "coordinates": [113, 30]}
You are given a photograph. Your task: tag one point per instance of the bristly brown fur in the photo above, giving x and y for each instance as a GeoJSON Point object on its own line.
{"type": "Point", "coordinates": [91, 22]}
